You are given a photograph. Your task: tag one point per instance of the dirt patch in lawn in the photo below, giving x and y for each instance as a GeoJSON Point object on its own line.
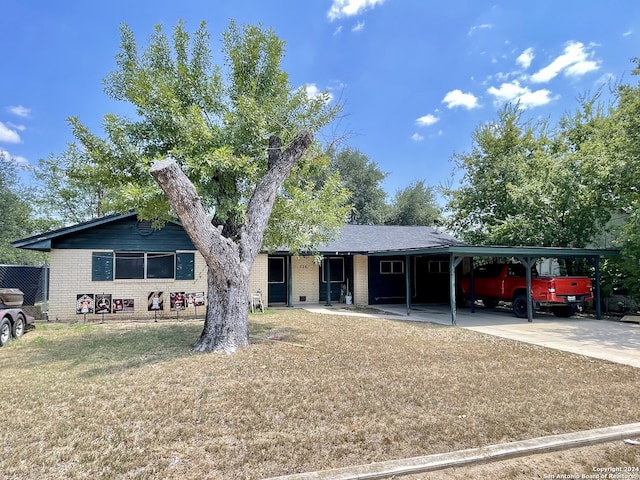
{"type": "Point", "coordinates": [312, 392]}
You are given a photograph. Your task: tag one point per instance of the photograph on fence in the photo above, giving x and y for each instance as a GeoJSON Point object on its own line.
{"type": "Point", "coordinates": [177, 300]}
{"type": "Point", "coordinates": [195, 299]}
{"type": "Point", "coordinates": [103, 303]}
{"type": "Point", "coordinates": [155, 301]}
{"type": "Point", "coordinates": [123, 305]}
{"type": "Point", "coordinates": [84, 303]}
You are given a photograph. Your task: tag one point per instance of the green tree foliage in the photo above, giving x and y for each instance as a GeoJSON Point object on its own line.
{"type": "Point", "coordinates": [16, 220]}
{"type": "Point", "coordinates": [229, 148]}
{"type": "Point", "coordinates": [70, 189]}
{"type": "Point", "coordinates": [215, 121]}
{"type": "Point", "coordinates": [415, 205]}
{"type": "Point", "coordinates": [362, 178]}
{"type": "Point", "coordinates": [525, 185]}
{"type": "Point", "coordinates": [621, 138]}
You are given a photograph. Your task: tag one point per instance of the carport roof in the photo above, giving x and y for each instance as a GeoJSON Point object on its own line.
{"type": "Point", "coordinates": [390, 239]}
{"type": "Point", "coordinates": [414, 240]}
{"type": "Point", "coordinates": [465, 250]}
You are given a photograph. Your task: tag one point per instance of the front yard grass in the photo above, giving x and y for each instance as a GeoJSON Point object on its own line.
{"type": "Point", "coordinates": [313, 391]}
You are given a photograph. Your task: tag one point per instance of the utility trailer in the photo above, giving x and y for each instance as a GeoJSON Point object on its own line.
{"type": "Point", "coordinates": [13, 319]}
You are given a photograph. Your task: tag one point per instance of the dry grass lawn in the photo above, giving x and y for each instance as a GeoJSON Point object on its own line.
{"type": "Point", "coordinates": [130, 400]}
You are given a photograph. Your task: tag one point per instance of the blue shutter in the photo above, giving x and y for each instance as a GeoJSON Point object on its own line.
{"type": "Point", "coordinates": [101, 266]}
{"type": "Point", "coordinates": [185, 265]}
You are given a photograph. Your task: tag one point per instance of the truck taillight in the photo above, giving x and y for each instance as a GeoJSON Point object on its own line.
{"type": "Point", "coordinates": [551, 286]}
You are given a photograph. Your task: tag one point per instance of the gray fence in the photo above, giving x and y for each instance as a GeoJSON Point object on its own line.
{"type": "Point", "coordinates": [33, 281]}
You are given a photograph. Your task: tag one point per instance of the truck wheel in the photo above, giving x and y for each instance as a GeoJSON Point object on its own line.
{"type": "Point", "coordinates": [490, 303]}
{"type": "Point", "coordinates": [520, 306]}
{"type": "Point", "coordinates": [5, 331]}
{"type": "Point", "coordinates": [18, 327]}
{"type": "Point", "coordinates": [564, 312]}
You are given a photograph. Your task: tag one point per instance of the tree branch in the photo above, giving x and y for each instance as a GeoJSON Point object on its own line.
{"type": "Point", "coordinates": [261, 204]}
{"type": "Point", "coordinates": [184, 199]}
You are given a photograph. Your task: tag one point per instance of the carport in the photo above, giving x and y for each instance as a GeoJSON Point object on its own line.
{"type": "Point", "coordinates": [527, 256]}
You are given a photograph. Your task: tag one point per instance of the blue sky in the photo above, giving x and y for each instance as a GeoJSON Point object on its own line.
{"type": "Point", "coordinates": [415, 77]}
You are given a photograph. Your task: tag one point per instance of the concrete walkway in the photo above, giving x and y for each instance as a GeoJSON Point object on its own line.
{"type": "Point", "coordinates": [604, 339]}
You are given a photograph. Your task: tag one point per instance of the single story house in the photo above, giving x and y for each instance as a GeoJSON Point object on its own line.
{"type": "Point", "coordinates": [118, 265]}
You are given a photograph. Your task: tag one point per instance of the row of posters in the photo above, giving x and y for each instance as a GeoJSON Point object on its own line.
{"type": "Point", "coordinates": [101, 303]}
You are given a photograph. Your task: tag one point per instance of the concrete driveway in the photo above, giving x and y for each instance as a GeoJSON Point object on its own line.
{"type": "Point", "coordinates": [604, 339]}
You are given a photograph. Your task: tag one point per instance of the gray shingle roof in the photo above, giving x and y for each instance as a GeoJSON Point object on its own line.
{"type": "Point", "coordinates": [380, 238]}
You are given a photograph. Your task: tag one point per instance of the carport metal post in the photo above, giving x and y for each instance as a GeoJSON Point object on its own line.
{"type": "Point", "coordinates": [289, 282]}
{"type": "Point", "coordinates": [595, 261]}
{"type": "Point", "coordinates": [407, 272]}
{"type": "Point", "coordinates": [327, 274]}
{"type": "Point", "coordinates": [453, 263]}
{"type": "Point", "coordinates": [528, 262]}
{"type": "Point", "coordinates": [472, 288]}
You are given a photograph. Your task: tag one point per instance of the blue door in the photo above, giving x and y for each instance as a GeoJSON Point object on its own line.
{"type": "Point", "coordinates": [277, 277]}
{"type": "Point", "coordinates": [340, 270]}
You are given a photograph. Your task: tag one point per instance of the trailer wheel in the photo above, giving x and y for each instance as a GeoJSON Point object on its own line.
{"type": "Point", "coordinates": [18, 326]}
{"type": "Point", "coordinates": [5, 331]}
{"type": "Point", "coordinates": [520, 306]}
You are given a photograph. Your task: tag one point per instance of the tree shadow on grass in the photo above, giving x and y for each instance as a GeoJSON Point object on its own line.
{"type": "Point", "coordinates": [97, 349]}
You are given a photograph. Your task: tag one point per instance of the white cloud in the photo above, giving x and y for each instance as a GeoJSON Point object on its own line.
{"type": "Point", "coordinates": [359, 26]}
{"type": "Point", "coordinates": [427, 120]}
{"type": "Point", "coordinates": [349, 8]}
{"type": "Point", "coordinates": [525, 58]}
{"type": "Point", "coordinates": [20, 128]}
{"type": "Point", "coordinates": [20, 111]}
{"type": "Point", "coordinates": [574, 61]}
{"type": "Point", "coordinates": [416, 137]}
{"type": "Point", "coordinates": [514, 92]}
{"type": "Point", "coordinates": [17, 160]}
{"type": "Point", "coordinates": [484, 26]}
{"type": "Point", "coordinates": [7, 135]}
{"type": "Point", "coordinates": [312, 91]}
{"type": "Point", "coordinates": [457, 98]}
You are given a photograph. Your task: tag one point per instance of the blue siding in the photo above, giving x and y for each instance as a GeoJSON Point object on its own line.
{"type": "Point", "coordinates": [386, 288]}
{"type": "Point", "coordinates": [124, 236]}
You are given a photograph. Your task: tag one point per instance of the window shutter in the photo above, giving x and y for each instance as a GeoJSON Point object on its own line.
{"type": "Point", "coordinates": [185, 265]}
{"type": "Point", "coordinates": [101, 266]}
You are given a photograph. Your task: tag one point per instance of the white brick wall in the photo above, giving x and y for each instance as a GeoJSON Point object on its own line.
{"type": "Point", "coordinates": [360, 280]}
{"type": "Point", "coordinates": [70, 276]}
{"type": "Point", "coordinates": [305, 279]}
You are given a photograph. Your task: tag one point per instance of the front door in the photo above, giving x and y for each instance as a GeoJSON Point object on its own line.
{"type": "Point", "coordinates": [277, 279]}
{"type": "Point", "coordinates": [339, 272]}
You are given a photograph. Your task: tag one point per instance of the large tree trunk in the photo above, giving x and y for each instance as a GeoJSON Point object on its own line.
{"type": "Point", "coordinates": [229, 261]}
{"type": "Point", "coordinates": [226, 323]}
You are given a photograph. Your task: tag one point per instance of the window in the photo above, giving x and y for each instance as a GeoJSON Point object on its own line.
{"type": "Point", "coordinates": [129, 265]}
{"type": "Point", "coordinates": [107, 266]}
{"type": "Point", "coordinates": [337, 270]}
{"type": "Point", "coordinates": [276, 270]}
{"type": "Point", "coordinates": [391, 267]}
{"type": "Point", "coordinates": [438, 266]}
{"type": "Point", "coordinates": [160, 265]}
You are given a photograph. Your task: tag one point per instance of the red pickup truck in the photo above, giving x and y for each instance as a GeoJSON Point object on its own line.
{"type": "Point", "coordinates": [507, 282]}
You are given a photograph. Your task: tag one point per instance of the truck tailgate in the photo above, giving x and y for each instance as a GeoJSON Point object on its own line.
{"type": "Point", "coordinates": [570, 286]}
